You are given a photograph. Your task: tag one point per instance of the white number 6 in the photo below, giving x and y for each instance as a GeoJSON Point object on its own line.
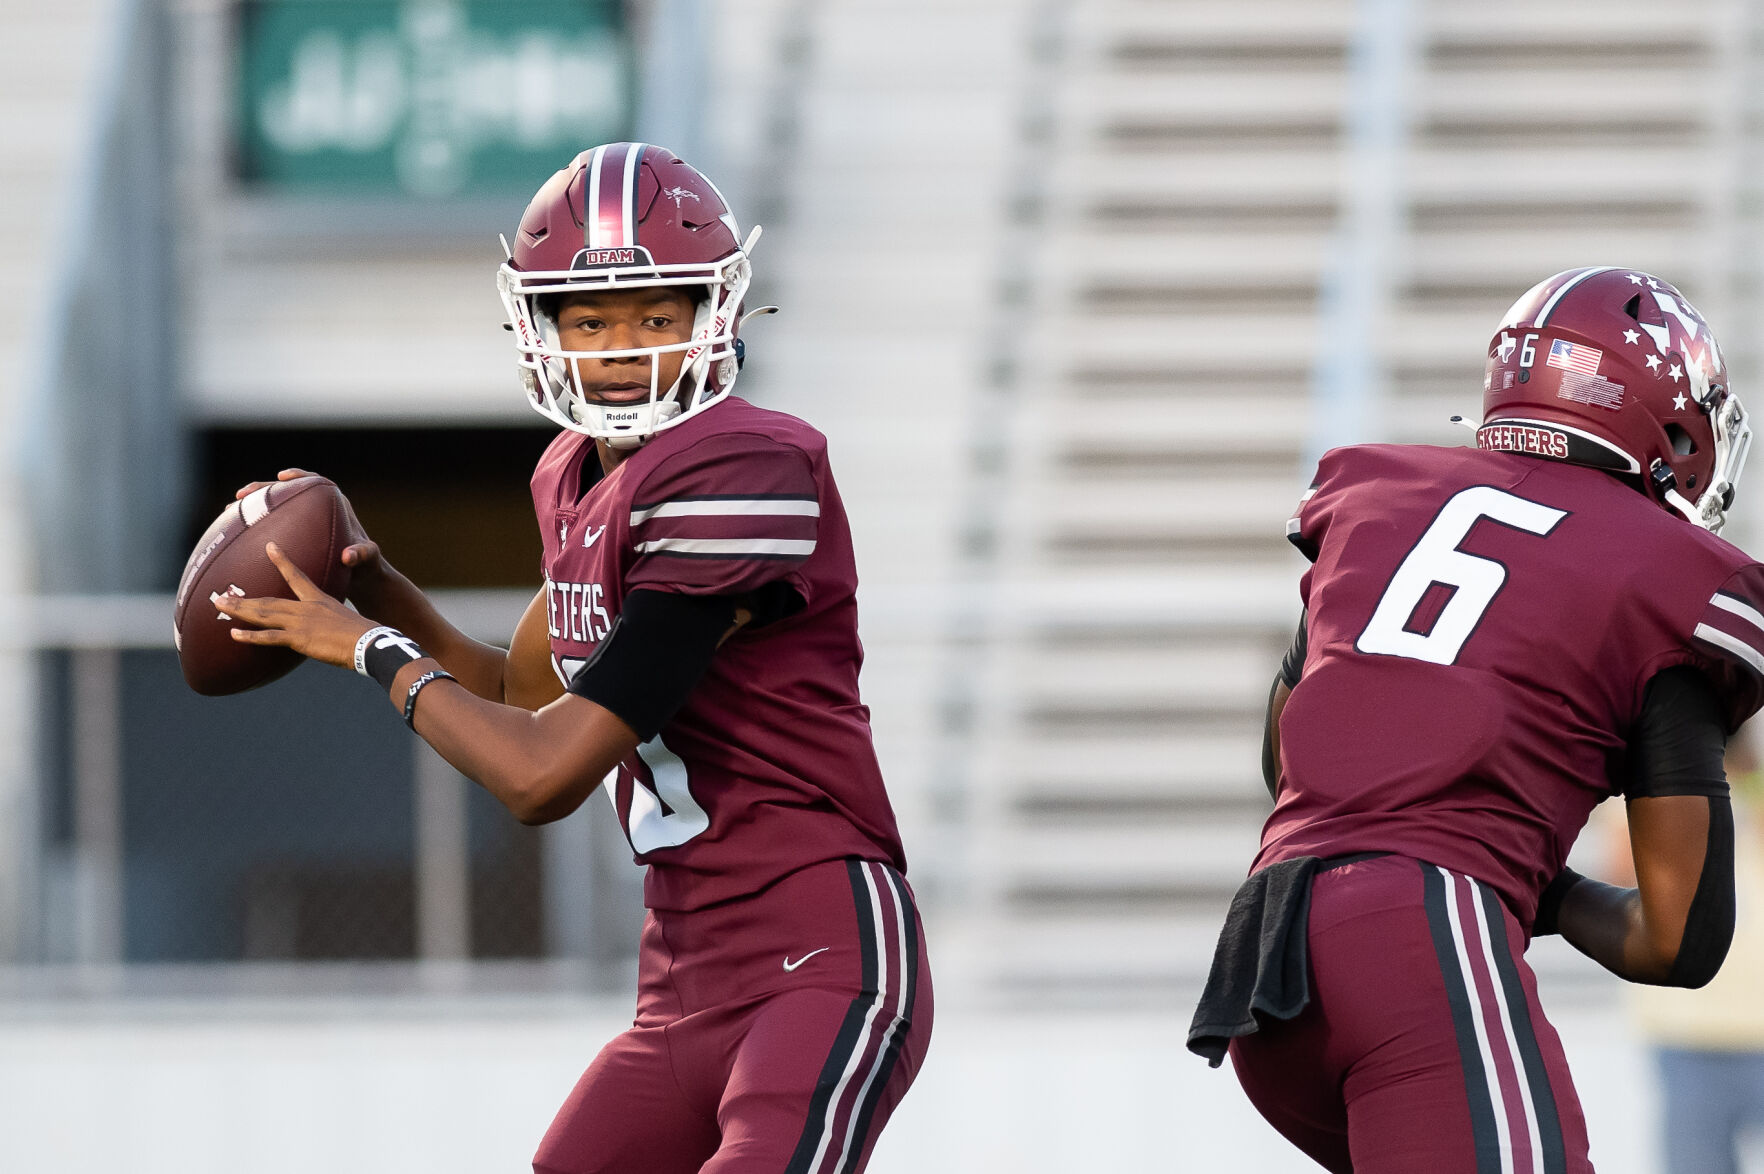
{"type": "Point", "coordinates": [668, 816]}
{"type": "Point", "coordinates": [1437, 559]}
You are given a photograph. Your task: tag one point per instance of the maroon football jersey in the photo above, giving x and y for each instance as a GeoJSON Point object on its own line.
{"type": "Point", "coordinates": [769, 765]}
{"type": "Point", "coordinates": [1482, 627]}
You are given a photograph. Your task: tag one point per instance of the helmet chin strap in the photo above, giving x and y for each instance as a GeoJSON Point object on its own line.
{"type": "Point", "coordinates": [664, 411]}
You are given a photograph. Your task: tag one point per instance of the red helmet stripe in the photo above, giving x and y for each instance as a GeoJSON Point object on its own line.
{"type": "Point", "coordinates": [591, 200]}
{"type": "Point", "coordinates": [628, 193]}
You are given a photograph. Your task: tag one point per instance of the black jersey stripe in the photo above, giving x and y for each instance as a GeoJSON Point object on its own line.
{"type": "Point", "coordinates": [851, 1037]}
{"type": "Point", "coordinates": [1543, 1098]}
{"type": "Point", "coordinates": [1459, 989]}
{"type": "Point", "coordinates": [859, 1135]}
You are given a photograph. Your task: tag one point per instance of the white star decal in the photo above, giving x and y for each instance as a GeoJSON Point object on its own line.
{"type": "Point", "coordinates": [1676, 373]}
{"type": "Point", "coordinates": [1652, 284]}
{"type": "Point", "coordinates": [1654, 363]}
{"type": "Point", "coordinates": [1632, 337]}
{"type": "Point", "coordinates": [1634, 280]}
{"type": "Point", "coordinates": [1678, 401]}
{"type": "Point", "coordinates": [1508, 344]}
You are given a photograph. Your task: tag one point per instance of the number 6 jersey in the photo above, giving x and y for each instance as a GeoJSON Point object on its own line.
{"type": "Point", "coordinates": [768, 767]}
{"type": "Point", "coordinates": [1481, 629]}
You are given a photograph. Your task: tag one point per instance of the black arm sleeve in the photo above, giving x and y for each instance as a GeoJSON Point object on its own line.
{"type": "Point", "coordinates": [1293, 666]}
{"type": "Point", "coordinates": [775, 601]}
{"type": "Point", "coordinates": [1708, 926]}
{"type": "Point", "coordinates": [1678, 742]}
{"type": "Point", "coordinates": [1270, 768]}
{"type": "Point", "coordinates": [658, 648]}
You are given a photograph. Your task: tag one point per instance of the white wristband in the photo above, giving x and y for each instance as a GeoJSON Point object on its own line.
{"type": "Point", "coordinates": [361, 646]}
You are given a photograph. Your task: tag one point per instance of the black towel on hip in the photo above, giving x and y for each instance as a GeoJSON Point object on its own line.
{"type": "Point", "coordinates": [1261, 964]}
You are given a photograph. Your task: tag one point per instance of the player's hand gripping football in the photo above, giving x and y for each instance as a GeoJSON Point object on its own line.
{"type": "Point", "coordinates": [312, 624]}
{"type": "Point", "coordinates": [367, 566]}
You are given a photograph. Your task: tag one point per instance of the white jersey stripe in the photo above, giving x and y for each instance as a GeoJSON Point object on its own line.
{"type": "Point", "coordinates": [1739, 608]}
{"type": "Point", "coordinates": [1733, 644]}
{"type": "Point", "coordinates": [591, 199]}
{"type": "Point", "coordinates": [733, 547]}
{"type": "Point", "coordinates": [757, 506]}
{"type": "Point", "coordinates": [1520, 1077]}
{"type": "Point", "coordinates": [880, 934]}
{"type": "Point", "coordinates": [888, 1034]}
{"type": "Point", "coordinates": [1490, 1075]}
{"type": "Point", "coordinates": [1293, 525]}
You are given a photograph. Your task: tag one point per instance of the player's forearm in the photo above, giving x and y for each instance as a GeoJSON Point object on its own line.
{"type": "Point", "coordinates": [540, 765]}
{"type": "Point", "coordinates": [1612, 926]}
{"type": "Point", "coordinates": [1608, 925]}
{"type": "Point", "coordinates": [391, 598]}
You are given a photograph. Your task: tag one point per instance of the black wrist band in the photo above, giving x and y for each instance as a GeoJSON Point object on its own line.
{"type": "Point", "coordinates": [382, 651]}
{"type": "Point", "coordinates": [416, 687]}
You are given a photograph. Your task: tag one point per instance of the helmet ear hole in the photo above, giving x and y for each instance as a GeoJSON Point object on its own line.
{"type": "Point", "coordinates": [1682, 442]}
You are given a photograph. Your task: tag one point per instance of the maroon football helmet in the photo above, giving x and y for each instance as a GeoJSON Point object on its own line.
{"type": "Point", "coordinates": [626, 215]}
{"type": "Point", "coordinates": [1614, 368]}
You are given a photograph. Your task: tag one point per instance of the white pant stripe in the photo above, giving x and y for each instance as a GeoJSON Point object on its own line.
{"type": "Point", "coordinates": [1482, 1041]}
{"type": "Point", "coordinates": [881, 936]}
{"type": "Point", "coordinates": [894, 1024]}
{"type": "Point", "coordinates": [1508, 1035]}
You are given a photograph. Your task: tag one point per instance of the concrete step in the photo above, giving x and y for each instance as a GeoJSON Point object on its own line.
{"type": "Point", "coordinates": [1087, 175]}
{"type": "Point", "coordinates": [1034, 863]}
{"type": "Point", "coordinates": [1199, 25]}
{"type": "Point", "coordinates": [1159, 767]}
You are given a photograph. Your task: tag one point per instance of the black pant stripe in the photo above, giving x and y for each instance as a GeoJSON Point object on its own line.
{"type": "Point", "coordinates": [1483, 1128]}
{"type": "Point", "coordinates": [1543, 1097]}
{"type": "Point", "coordinates": [909, 969]}
{"type": "Point", "coordinates": [851, 1029]}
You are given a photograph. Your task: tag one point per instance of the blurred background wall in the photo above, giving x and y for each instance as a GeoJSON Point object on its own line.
{"type": "Point", "coordinates": [1076, 288]}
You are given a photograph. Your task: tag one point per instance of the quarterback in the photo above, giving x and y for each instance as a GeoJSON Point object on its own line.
{"type": "Point", "coordinates": [694, 652]}
{"type": "Point", "coordinates": [1494, 640]}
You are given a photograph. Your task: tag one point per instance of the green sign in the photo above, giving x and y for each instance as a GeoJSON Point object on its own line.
{"type": "Point", "coordinates": [429, 98]}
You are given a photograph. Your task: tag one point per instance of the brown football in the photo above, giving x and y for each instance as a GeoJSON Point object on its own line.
{"type": "Point", "coordinates": [310, 519]}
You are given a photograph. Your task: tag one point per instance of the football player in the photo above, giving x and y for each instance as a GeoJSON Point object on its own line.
{"type": "Point", "coordinates": [1494, 640]}
{"type": "Point", "coordinates": [694, 650]}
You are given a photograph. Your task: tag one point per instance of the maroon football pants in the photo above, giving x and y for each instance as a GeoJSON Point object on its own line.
{"type": "Point", "coordinates": [1424, 1046]}
{"type": "Point", "coordinates": [774, 1034]}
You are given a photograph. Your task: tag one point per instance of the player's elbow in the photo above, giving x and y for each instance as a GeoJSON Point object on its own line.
{"type": "Point", "coordinates": [1700, 953]}
{"type": "Point", "coordinates": [547, 793]}
{"type": "Point", "coordinates": [542, 801]}
{"type": "Point", "coordinates": [1688, 955]}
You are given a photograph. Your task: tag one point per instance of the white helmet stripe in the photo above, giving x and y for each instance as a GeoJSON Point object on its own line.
{"type": "Point", "coordinates": [609, 204]}
{"type": "Point", "coordinates": [1549, 307]}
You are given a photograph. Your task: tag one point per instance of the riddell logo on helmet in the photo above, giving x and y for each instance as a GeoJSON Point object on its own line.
{"type": "Point", "coordinates": [1517, 438]}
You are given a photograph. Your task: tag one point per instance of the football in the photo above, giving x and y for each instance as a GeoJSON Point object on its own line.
{"type": "Point", "coordinates": [310, 519]}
